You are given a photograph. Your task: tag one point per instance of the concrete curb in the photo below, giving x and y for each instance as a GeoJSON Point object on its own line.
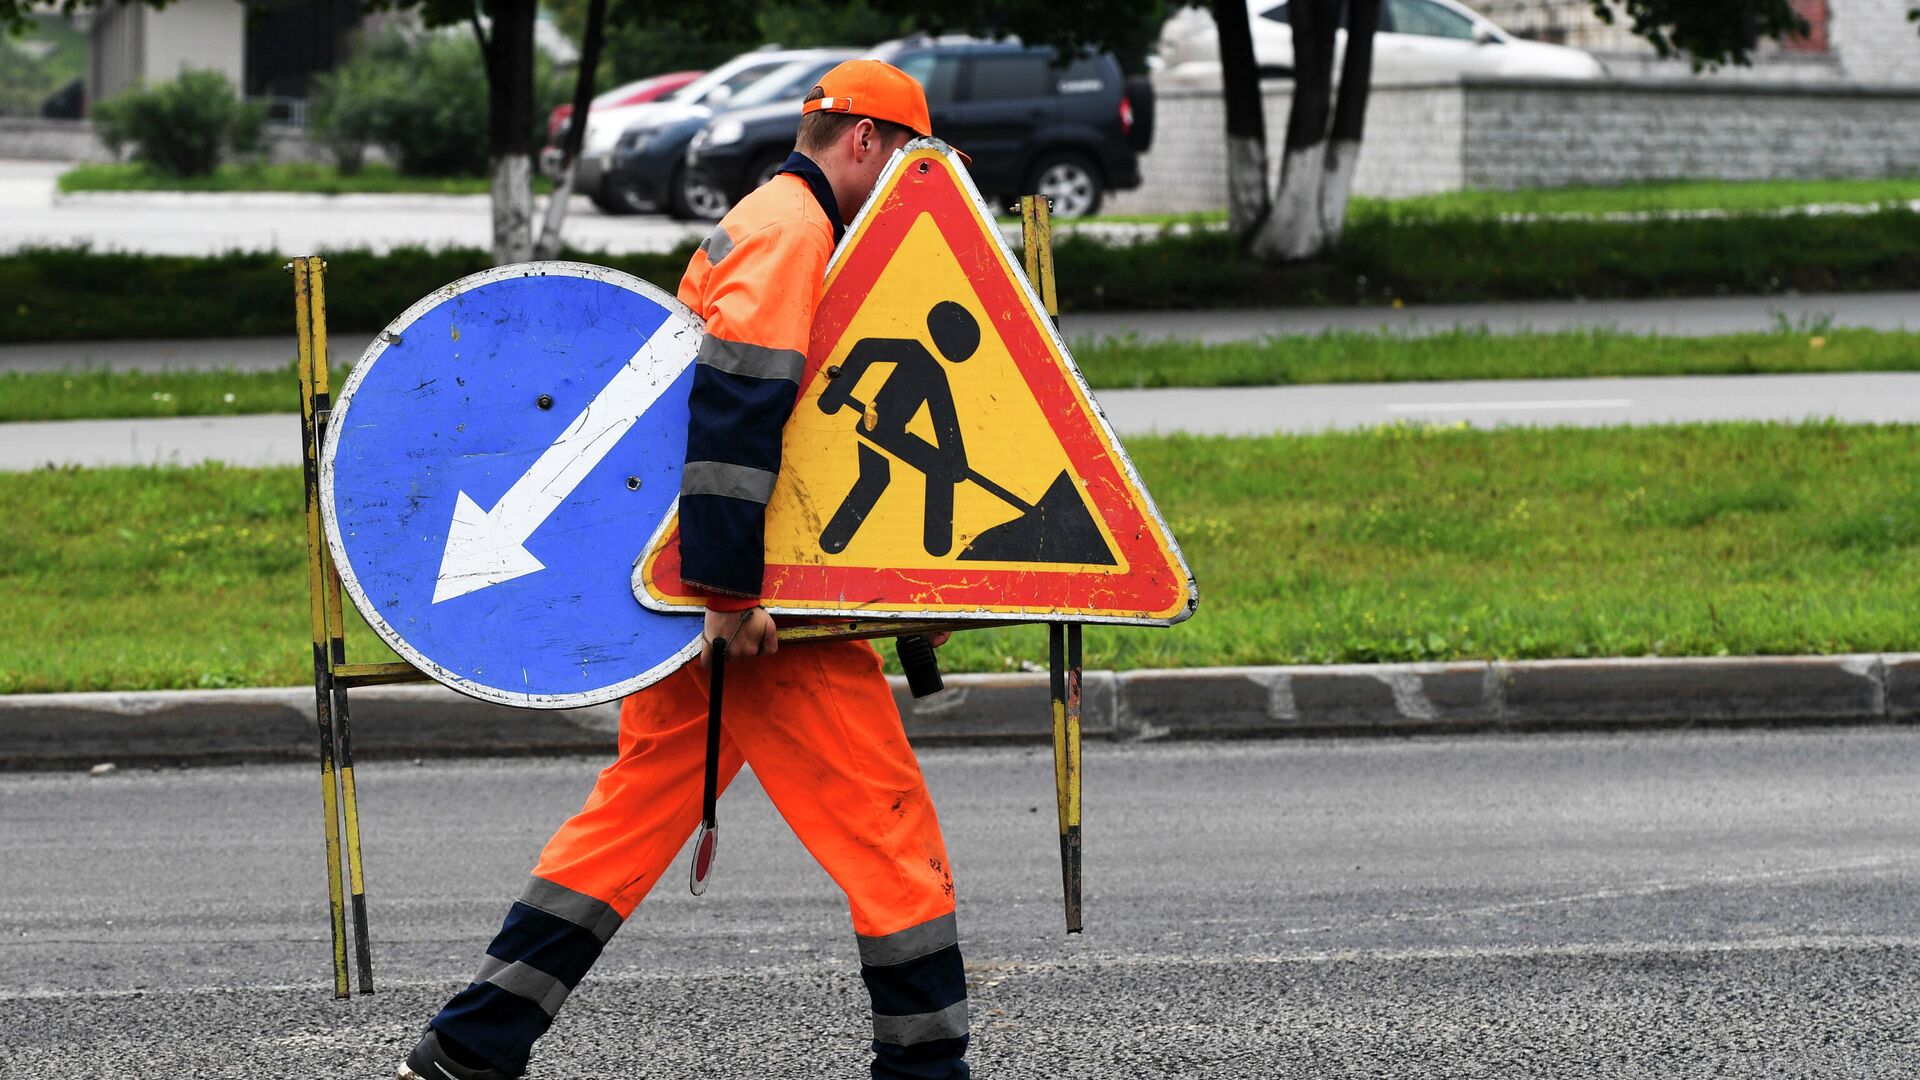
{"type": "Point", "coordinates": [40, 731]}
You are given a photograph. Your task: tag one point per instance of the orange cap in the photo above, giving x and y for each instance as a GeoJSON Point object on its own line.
{"type": "Point", "coordinates": [875, 89]}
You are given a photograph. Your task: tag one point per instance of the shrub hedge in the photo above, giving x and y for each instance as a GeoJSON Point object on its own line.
{"type": "Point", "coordinates": [68, 293]}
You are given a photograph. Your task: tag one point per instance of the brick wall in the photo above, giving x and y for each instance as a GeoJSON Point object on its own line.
{"type": "Point", "coordinates": [1531, 133]}
{"type": "Point", "coordinates": [1413, 145]}
{"type": "Point", "coordinates": [1855, 41]}
{"type": "Point", "coordinates": [1874, 40]}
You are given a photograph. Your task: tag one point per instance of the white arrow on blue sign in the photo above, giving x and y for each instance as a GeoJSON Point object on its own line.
{"type": "Point", "coordinates": [493, 465]}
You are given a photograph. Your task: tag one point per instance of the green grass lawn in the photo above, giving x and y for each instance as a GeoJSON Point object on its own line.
{"type": "Point", "coordinates": [302, 177]}
{"type": "Point", "coordinates": [1346, 357]}
{"type": "Point", "coordinates": [1325, 358]}
{"type": "Point", "coordinates": [1406, 543]}
{"type": "Point", "coordinates": [54, 395]}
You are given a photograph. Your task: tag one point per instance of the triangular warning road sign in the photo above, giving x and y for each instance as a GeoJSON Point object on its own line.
{"type": "Point", "coordinates": [945, 457]}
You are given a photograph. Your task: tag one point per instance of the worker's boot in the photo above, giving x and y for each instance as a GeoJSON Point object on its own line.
{"type": "Point", "coordinates": [431, 1061]}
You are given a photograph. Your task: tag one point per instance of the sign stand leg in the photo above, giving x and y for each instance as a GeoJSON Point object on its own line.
{"type": "Point", "coordinates": [321, 397]}
{"type": "Point", "coordinates": [1063, 652]}
{"type": "Point", "coordinates": [323, 689]}
{"type": "Point", "coordinates": [1063, 639]}
{"type": "Point", "coordinates": [1036, 241]}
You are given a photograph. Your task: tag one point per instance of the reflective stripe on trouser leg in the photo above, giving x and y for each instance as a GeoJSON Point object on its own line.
{"type": "Point", "coordinates": [592, 873]}
{"type": "Point", "coordinates": [551, 937]}
{"type": "Point", "coordinates": [919, 992]}
{"type": "Point", "coordinates": [829, 749]}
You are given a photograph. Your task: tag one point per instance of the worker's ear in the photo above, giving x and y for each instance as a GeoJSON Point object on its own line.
{"type": "Point", "coordinates": [866, 139]}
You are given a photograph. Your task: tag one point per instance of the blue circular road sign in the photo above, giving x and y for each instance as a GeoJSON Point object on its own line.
{"type": "Point", "coordinates": [493, 465]}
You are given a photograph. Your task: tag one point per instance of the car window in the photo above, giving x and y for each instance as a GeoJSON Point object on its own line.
{"type": "Point", "coordinates": [1278, 13]}
{"type": "Point", "coordinates": [1084, 76]}
{"type": "Point", "coordinates": [937, 73]}
{"type": "Point", "coordinates": [1011, 75]}
{"type": "Point", "coordinates": [789, 81]}
{"type": "Point", "coordinates": [1428, 19]}
{"type": "Point", "coordinates": [734, 81]}
{"type": "Point", "coordinates": [698, 89]}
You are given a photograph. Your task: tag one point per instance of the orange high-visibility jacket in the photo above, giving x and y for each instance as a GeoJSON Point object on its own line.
{"type": "Point", "coordinates": [755, 281]}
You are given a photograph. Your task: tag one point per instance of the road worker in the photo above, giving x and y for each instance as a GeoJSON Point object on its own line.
{"type": "Point", "coordinates": [818, 722]}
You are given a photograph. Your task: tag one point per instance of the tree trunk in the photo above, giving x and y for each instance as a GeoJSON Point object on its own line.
{"type": "Point", "coordinates": [1247, 204]}
{"type": "Point", "coordinates": [1294, 229]}
{"type": "Point", "coordinates": [549, 243]}
{"type": "Point", "coordinates": [1349, 119]}
{"type": "Point", "coordinates": [509, 49]}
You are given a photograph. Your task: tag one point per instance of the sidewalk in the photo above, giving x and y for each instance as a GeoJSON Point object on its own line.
{"type": "Point", "coordinates": [1882, 398]}
{"type": "Point", "coordinates": [1692, 317]}
{"type": "Point", "coordinates": [40, 731]}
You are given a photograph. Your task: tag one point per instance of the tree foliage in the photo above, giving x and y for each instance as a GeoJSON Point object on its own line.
{"type": "Point", "coordinates": [423, 97]}
{"type": "Point", "coordinates": [643, 42]}
{"type": "Point", "coordinates": [1711, 32]}
{"type": "Point", "coordinates": [182, 126]}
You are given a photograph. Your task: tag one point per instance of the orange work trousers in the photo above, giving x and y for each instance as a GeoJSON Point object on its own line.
{"type": "Point", "coordinates": [819, 726]}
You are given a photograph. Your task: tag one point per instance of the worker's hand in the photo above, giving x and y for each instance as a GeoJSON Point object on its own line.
{"type": "Point", "coordinates": [747, 633]}
{"type": "Point", "coordinates": [939, 639]}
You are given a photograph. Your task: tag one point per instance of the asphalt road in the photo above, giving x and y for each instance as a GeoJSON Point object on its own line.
{"type": "Point", "coordinates": [274, 439]}
{"type": "Point", "coordinates": [1726, 904]}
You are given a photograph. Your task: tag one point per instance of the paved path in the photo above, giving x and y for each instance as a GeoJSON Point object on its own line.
{"type": "Point", "coordinates": [1872, 398]}
{"type": "Point", "coordinates": [31, 212]}
{"type": "Point", "coordinates": [1625, 906]}
{"type": "Point", "coordinates": [1687, 317]}
{"type": "Point", "coordinates": [1684, 318]}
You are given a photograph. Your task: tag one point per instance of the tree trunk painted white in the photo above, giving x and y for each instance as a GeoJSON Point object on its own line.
{"type": "Point", "coordinates": [1294, 229]}
{"type": "Point", "coordinates": [548, 246]}
{"type": "Point", "coordinates": [1246, 118]}
{"type": "Point", "coordinates": [1246, 183]}
{"type": "Point", "coordinates": [1343, 156]}
{"type": "Point", "coordinates": [512, 190]}
{"type": "Point", "coordinates": [1316, 175]}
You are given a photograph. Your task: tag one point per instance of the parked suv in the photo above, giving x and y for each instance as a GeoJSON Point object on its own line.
{"type": "Point", "coordinates": [648, 168]}
{"type": "Point", "coordinates": [1072, 131]}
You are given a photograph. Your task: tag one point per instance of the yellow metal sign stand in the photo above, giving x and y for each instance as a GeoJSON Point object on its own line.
{"type": "Point", "coordinates": [332, 675]}
{"type": "Point", "coordinates": [1063, 639]}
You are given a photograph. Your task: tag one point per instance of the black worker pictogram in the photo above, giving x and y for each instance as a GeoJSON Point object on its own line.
{"type": "Point", "coordinates": [1057, 529]}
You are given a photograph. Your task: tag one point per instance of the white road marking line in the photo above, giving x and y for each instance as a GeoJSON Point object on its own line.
{"type": "Point", "coordinates": [1516, 406]}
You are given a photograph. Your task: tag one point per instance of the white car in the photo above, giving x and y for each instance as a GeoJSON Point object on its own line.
{"type": "Point", "coordinates": [1418, 41]}
{"type": "Point", "coordinates": [698, 97]}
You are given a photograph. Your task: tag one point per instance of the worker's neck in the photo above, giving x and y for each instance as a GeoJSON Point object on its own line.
{"type": "Point", "coordinates": [851, 170]}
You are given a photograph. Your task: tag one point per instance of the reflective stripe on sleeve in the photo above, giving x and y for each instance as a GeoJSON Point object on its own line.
{"type": "Point", "coordinates": [596, 917]}
{"type": "Point", "coordinates": [526, 981]}
{"type": "Point", "coordinates": [910, 944]}
{"type": "Point", "coordinates": [753, 361]}
{"type": "Point", "coordinates": [733, 481]}
{"type": "Point", "coordinates": [948, 1023]}
{"type": "Point", "coordinates": [718, 245]}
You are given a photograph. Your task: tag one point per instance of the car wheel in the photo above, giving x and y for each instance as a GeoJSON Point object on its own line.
{"type": "Point", "coordinates": [696, 198]}
{"type": "Point", "coordinates": [1070, 181]}
{"type": "Point", "coordinates": [619, 195]}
